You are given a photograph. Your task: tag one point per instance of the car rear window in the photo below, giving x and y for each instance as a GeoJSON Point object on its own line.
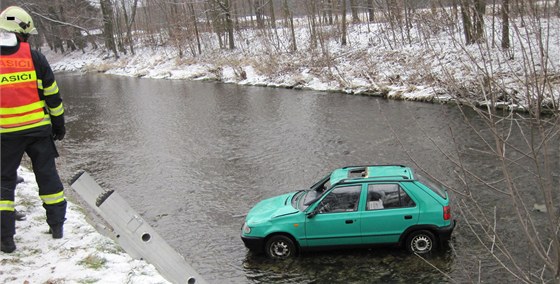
{"type": "Point", "coordinates": [436, 187]}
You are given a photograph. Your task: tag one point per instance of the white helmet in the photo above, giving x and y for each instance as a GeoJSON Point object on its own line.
{"type": "Point", "coordinates": [14, 19]}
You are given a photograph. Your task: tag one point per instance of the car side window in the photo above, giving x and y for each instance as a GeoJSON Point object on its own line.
{"type": "Point", "coordinates": [341, 199]}
{"type": "Point", "coordinates": [385, 196]}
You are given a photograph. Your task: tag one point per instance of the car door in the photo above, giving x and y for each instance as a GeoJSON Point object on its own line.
{"type": "Point", "coordinates": [389, 211]}
{"type": "Point", "coordinates": [337, 218]}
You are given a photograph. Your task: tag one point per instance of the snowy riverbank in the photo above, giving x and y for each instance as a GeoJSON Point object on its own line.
{"type": "Point", "coordinates": [82, 256]}
{"type": "Point", "coordinates": [435, 69]}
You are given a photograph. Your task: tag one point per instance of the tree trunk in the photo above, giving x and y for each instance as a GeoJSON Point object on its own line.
{"type": "Point", "coordinates": [480, 11]}
{"type": "Point", "coordinates": [408, 16]}
{"type": "Point", "coordinates": [505, 24]}
{"type": "Point", "coordinates": [107, 10]}
{"type": "Point", "coordinates": [467, 24]}
{"type": "Point", "coordinates": [473, 20]}
{"type": "Point", "coordinates": [272, 15]}
{"type": "Point", "coordinates": [191, 6]}
{"type": "Point", "coordinates": [259, 15]}
{"type": "Point", "coordinates": [354, 9]}
{"type": "Point", "coordinates": [288, 14]}
{"type": "Point", "coordinates": [371, 11]}
{"type": "Point", "coordinates": [343, 40]}
{"type": "Point", "coordinates": [455, 10]}
{"type": "Point", "coordinates": [329, 8]}
{"type": "Point", "coordinates": [118, 33]}
{"type": "Point", "coordinates": [213, 20]}
{"type": "Point", "coordinates": [128, 22]}
{"type": "Point", "coordinates": [229, 23]}
{"type": "Point", "coordinates": [311, 13]}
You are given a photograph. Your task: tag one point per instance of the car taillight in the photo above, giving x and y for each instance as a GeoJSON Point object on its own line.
{"type": "Point", "coordinates": [446, 212]}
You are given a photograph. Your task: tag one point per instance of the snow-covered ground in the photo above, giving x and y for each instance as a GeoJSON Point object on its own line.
{"type": "Point", "coordinates": [82, 256]}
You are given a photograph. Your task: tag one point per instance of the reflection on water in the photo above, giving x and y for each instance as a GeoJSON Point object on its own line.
{"type": "Point", "coordinates": [377, 265]}
{"type": "Point", "coordinates": [192, 157]}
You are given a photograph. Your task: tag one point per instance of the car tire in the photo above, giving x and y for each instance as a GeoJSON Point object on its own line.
{"type": "Point", "coordinates": [421, 242]}
{"type": "Point", "coordinates": [280, 247]}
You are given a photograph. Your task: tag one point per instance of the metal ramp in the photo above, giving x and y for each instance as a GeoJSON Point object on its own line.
{"type": "Point", "coordinates": [132, 233]}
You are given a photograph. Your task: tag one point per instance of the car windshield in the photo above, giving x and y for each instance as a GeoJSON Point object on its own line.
{"type": "Point", "coordinates": [304, 198]}
{"type": "Point", "coordinates": [433, 185]}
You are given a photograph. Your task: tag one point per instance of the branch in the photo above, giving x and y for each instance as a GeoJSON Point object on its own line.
{"type": "Point", "coordinates": [60, 22]}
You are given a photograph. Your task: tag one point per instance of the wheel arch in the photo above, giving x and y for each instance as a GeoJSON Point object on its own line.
{"type": "Point", "coordinates": [431, 228]}
{"type": "Point", "coordinates": [296, 243]}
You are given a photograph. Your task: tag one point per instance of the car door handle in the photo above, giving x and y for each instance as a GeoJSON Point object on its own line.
{"type": "Point", "coordinates": [407, 217]}
{"type": "Point", "coordinates": [349, 221]}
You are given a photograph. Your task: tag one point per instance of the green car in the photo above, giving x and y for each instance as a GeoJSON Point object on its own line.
{"type": "Point", "coordinates": [352, 207]}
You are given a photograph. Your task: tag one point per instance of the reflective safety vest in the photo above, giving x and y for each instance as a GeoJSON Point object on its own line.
{"type": "Point", "coordinates": [21, 107]}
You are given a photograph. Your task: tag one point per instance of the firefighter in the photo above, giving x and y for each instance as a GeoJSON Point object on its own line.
{"type": "Point", "coordinates": [31, 118]}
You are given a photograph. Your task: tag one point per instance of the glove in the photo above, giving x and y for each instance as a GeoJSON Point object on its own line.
{"type": "Point", "coordinates": [58, 133]}
{"type": "Point", "coordinates": [58, 129]}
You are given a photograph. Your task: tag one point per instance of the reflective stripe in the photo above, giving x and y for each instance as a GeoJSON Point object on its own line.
{"type": "Point", "coordinates": [18, 77]}
{"type": "Point", "coordinates": [57, 111]}
{"type": "Point", "coordinates": [22, 109]}
{"type": "Point", "coordinates": [7, 205]}
{"type": "Point", "coordinates": [53, 89]}
{"type": "Point", "coordinates": [25, 119]}
{"type": "Point", "coordinates": [45, 121]}
{"type": "Point", "coordinates": [51, 199]}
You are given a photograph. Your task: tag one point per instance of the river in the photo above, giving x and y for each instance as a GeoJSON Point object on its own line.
{"type": "Point", "coordinates": [193, 157]}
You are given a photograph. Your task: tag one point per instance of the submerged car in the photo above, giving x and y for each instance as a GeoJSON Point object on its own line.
{"type": "Point", "coordinates": [352, 207]}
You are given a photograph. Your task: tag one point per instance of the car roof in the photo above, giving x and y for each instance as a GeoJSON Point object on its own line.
{"type": "Point", "coordinates": [372, 173]}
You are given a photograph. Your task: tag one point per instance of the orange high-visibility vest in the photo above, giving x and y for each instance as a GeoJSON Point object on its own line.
{"type": "Point", "coordinates": [21, 107]}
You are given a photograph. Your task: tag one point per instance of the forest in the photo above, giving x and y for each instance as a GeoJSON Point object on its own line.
{"type": "Point", "coordinates": [122, 24]}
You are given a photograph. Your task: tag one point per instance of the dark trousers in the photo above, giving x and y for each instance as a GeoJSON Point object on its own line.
{"type": "Point", "coordinates": [42, 152]}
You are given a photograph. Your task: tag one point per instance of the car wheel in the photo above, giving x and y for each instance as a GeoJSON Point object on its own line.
{"type": "Point", "coordinates": [421, 242]}
{"type": "Point", "coordinates": [279, 247]}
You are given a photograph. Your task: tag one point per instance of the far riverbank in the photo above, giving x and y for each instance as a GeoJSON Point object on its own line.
{"type": "Point", "coordinates": [441, 72]}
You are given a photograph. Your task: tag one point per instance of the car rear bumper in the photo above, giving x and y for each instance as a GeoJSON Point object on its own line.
{"type": "Point", "coordinates": [444, 233]}
{"type": "Point", "coordinates": [253, 244]}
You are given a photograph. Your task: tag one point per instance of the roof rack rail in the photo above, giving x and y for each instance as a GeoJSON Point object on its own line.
{"type": "Point", "coordinates": [389, 177]}
{"type": "Point", "coordinates": [381, 165]}
{"type": "Point", "coordinates": [375, 179]}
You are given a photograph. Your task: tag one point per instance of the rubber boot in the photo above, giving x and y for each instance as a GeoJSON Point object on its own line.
{"type": "Point", "coordinates": [7, 244]}
{"type": "Point", "coordinates": [19, 215]}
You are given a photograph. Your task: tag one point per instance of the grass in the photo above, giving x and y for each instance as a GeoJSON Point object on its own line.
{"type": "Point", "coordinates": [88, 281]}
{"type": "Point", "coordinates": [93, 261]}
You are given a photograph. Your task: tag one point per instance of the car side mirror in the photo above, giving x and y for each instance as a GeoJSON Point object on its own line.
{"type": "Point", "coordinates": [312, 213]}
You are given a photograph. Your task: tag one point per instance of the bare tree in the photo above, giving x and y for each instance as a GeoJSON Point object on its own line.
{"type": "Point", "coordinates": [259, 12]}
{"type": "Point", "coordinates": [515, 142]}
{"type": "Point", "coordinates": [290, 18]}
{"type": "Point", "coordinates": [343, 24]}
{"type": "Point", "coordinates": [311, 10]}
{"type": "Point", "coordinates": [129, 21]}
{"type": "Point", "coordinates": [473, 19]}
{"type": "Point", "coordinates": [371, 11]}
{"type": "Point", "coordinates": [61, 26]}
{"type": "Point", "coordinates": [226, 12]}
{"type": "Point", "coordinates": [354, 10]}
{"type": "Point", "coordinates": [505, 24]}
{"type": "Point", "coordinates": [195, 26]}
{"type": "Point", "coordinates": [107, 10]}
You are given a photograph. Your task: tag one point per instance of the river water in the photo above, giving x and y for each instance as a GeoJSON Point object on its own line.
{"type": "Point", "coordinates": [193, 157]}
